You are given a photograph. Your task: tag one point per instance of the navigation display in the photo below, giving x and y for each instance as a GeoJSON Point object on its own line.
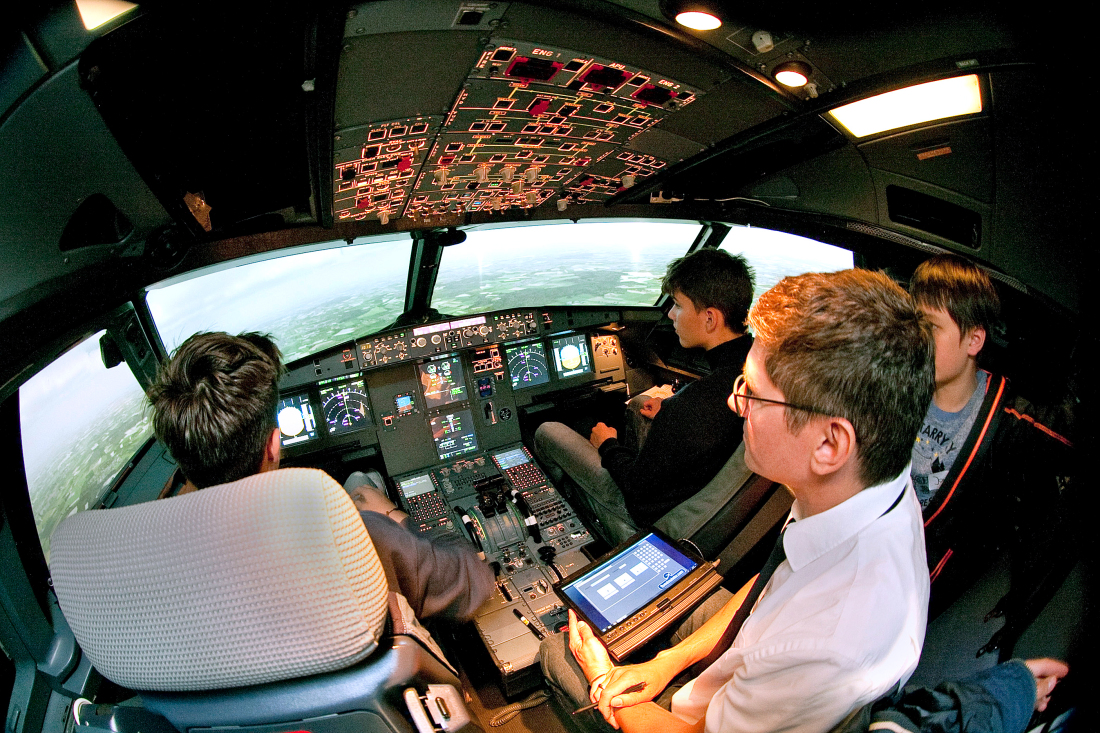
{"type": "Point", "coordinates": [625, 583]}
{"type": "Point", "coordinates": [295, 420]}
{"type": "Point", "coordinates": [454, 434]}
{"type": "Point", "coordinates": [441, 382]}
{"type": "Point", "coordinates": [344, 402]}
{"type": "Point", "coordinates": [527, 365]}
{"type": "Point", "coordinates": [571, 355]}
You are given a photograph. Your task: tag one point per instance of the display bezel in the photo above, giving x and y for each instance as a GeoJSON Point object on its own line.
{"type": "Point", "coordinates": [456, 379]}
{"type": "Point", "coordinates": [309, 435]}
{"type": "Point", "coordinates": [470, 431]}
{"type": "Point", "coordinates": [336, 382]}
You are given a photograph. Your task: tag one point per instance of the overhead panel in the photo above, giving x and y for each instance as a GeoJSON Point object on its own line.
{"type": "Point", "coordinates": [377, 165]}
{"type": "Point", "coordinates": [530, 124]}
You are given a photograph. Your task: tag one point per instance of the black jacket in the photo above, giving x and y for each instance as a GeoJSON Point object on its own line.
{"type": "Point", "coordinates": [1009, 490]}
{"type": "Point", "coordinates": [692, 437]}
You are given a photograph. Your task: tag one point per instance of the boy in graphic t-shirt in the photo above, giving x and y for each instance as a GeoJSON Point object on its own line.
{"type": "Point", "coordinates": [988, 476]}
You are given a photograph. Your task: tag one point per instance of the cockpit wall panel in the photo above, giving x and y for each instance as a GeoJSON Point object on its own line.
{"type": "Point", "coordinates": [56, 152]}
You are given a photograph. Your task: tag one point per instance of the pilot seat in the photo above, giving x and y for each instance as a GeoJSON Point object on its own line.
{"type": "Point", "coordinates": [259, 605]}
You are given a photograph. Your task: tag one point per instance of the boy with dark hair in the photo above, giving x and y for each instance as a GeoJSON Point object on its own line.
{"type": "Point", "coordinates": [214, 404]}
{"type": "Point", "coordinates": [692, 434]}
{"type": "Point", "coordinates": [713, 278]}
{"type": "Point", "coordinates": [987, 474]}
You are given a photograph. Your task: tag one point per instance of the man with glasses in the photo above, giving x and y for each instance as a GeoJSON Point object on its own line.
{"type": "Point", "coordinates": [832, 395]}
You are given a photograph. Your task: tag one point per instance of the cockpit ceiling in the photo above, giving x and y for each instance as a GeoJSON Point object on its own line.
{"type": "Point", "coordinates": [446, 108]}
{"type": "Point", "coordinates": [532, 123]}
{"type": "Point", "coordinates": [403, 114]}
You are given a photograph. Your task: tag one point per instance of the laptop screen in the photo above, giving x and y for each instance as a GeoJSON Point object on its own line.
{"type": "Point", "coordinates": [628, 581]}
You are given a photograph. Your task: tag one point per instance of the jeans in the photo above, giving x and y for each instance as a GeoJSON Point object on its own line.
{"type": "Point", "coordinates": [574, 465]}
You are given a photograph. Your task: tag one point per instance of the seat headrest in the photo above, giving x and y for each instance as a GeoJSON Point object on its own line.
{"type": "Point", "coordinates": [268, 578]}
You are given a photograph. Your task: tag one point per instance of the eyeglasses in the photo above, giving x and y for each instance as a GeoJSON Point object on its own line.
{"type": "Point", "coordinates": [742, 394]}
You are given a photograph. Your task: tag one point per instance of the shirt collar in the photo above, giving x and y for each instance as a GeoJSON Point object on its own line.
{"type": "Point", "coordinates": [808, 539]}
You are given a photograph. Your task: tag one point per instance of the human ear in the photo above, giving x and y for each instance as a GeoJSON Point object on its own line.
{"type": "Point", "coordinates": [836, 444]}
{"type": "Point", "coordinates": [975, 341]}
{"type": "Point", "coordinates": [714, 319]}
{"type": "Point", "coordinates": [273, 450]}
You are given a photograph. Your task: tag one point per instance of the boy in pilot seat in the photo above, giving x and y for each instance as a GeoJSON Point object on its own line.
{"type": "Point", "coordinates": [214, 404]}
{"type": "Point", "coordinates": [692, 433]}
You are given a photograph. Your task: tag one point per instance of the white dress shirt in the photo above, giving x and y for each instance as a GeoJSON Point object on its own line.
{"type": "Point", "coordinates": [840, 623]}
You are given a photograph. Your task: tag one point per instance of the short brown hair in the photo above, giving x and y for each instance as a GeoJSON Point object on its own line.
{"type": "Point", "coordinates": [851, 344]}
{"type": "Point", "coordinates": [959, 287]}
{"type": "Point", "coordinates": [713, 278]}
{"type": "Point", "coordinates": [214, 404]}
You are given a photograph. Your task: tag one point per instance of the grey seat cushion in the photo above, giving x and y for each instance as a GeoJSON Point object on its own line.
{"type": "Point", "coordinates": [268, 578]}
{"type": "Point", "coordinates": [690, 516]}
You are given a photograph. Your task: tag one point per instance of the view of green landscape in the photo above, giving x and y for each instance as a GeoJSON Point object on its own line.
{"type": "Point", "coordinates": [307, 301]}
{"type": "Point", "coordinates": [313, 300]}
{"type": "Point", "coordinates": [603, 263]}
{"type": "Point", "coordinates": [81, 423]}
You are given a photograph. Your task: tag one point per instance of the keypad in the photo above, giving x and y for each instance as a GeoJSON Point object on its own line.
{"type": "Point", "coordinates": [425, 507]}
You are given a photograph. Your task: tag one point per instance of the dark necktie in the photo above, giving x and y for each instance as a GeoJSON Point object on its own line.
{"type": "Point", "coordinates": [777, 556]}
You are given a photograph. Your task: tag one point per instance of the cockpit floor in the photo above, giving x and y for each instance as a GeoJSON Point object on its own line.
{"type": "Point", "coordinates": [487, 701]}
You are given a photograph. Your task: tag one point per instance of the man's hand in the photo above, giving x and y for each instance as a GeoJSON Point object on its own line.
{"type": "Point", "coordinates": [600, 433]}
{"type": "Point", "coordinates": [589, 651]}
{"type": "Point", "coordinates": [1047, 674]}
{"type": "Point", "coordinates": [369, 499]}
{"type": "Point", "coordinates": [651, 407]}
{"type": "Point", "coordinates": [654, 673]}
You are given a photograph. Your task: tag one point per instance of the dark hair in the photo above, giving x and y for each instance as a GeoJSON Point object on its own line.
{"type": "Point", "coordinates": [713, 278]}
{"type": "Point", "coordinates": [854, 345]}
{"type": "Point", "coordinates": [959, 287]}
{"type": "Point", "coordinates": [214, 404]}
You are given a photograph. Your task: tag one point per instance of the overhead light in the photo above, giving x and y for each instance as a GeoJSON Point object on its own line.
{"type": "Point", "coordinates": [95, 13]}
{"type": "Point", "coordinates": [793, 74]}
{"type": "Point", "coordinates": [699, 15]}
{"type": "Point", "coordinates": [698, 20]}
{"type": "Point", "coordinates": [935, 100]}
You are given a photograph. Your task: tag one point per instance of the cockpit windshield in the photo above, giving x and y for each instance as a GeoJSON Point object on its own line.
{"type": "Point", "coordinates": [775, 255]}
{"type": "Point", "coordinates": [332, 293]}
{"type": "Point", "coordinates": [586, 263]}
{"type": "Point", "coordinates": [308, 301]}
{"type": "Point", "coordinates": [81, 423]}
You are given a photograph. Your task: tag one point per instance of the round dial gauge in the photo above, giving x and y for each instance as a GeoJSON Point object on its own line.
{"type": "Point", "coordinates": [527, 366]}
{"type": "Point", "coordinates": [346, 408]}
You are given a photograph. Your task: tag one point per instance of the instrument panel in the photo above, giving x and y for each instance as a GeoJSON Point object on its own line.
{"type": "Point", "coordinates": [503, 504]}
{"type": "Point", "coordinates": [441, 403]}
{"type": "Point", "coordinates": [431, 393]}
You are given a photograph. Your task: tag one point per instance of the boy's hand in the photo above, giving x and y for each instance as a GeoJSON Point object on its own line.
{"type": "Point", "coordinates": [1047, 674]}
{"type": "Point", "coordinates": [651, 407]}
{"type": "Point", "coordinates": [600, 433]}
